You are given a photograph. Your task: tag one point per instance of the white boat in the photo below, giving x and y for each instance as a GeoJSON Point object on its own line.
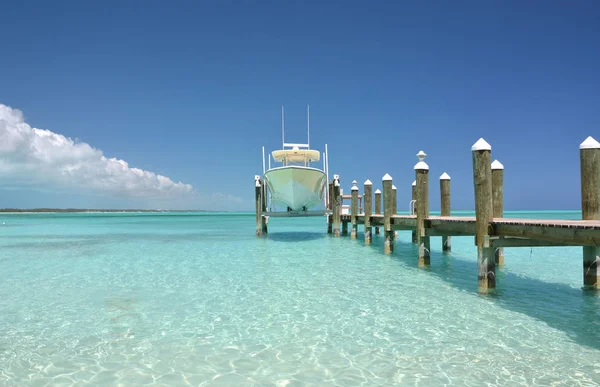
{"type": "Point", "coordinates": [296, 186]}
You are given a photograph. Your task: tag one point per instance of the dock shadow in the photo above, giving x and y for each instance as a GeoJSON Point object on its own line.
{"type": "Point", "coordinates": [574, 311]}
{"type": "Point", "coordinates": [295, 236]}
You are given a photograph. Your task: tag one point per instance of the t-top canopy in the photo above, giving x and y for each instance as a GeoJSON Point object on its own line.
{"type": "Point", "coordinates": [296, 155]}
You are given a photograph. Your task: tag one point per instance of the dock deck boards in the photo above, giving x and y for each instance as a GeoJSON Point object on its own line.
{"type": "Point", "coordinates": [576, 232]}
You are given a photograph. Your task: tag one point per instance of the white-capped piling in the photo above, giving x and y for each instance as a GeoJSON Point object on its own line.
{"type": "Point", "coordinates": [422, 186]}
{"type": "Point", "coordinates": [388, 207]}
{"type": "Point", "coordinates": [498, 203]}
{"type": "Point", "coordinates": [414, 208]}
{"type": "Point", "coordinates": [368, 197]}
{"type": "Point", "coordinates": [445, 208]}
{"type": "Point", "coordinates": [589, 154]}
{"type": "Point", "coordinates": [377, 207]}
{"type": "Point", "coordinates": [354, 210]}
{"type": "Point", "coordinates": [482, 179]}
{"type": "Point", "coordinates": [337, 206]}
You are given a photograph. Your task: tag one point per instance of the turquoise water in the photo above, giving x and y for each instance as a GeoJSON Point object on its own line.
{"type": "Point", "coordinates": [199, 300]}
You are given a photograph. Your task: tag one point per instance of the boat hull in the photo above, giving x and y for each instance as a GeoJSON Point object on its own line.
{"type": "Point", "coordinates": [296, 188]}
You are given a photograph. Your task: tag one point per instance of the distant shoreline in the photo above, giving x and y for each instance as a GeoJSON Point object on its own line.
{"type": "Point", "coordinates": [87, 210]}
{"type": "Point", "coordinates": [83, 210]}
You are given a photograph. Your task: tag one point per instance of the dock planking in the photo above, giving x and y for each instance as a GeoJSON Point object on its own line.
{"type": "Point", "coordinates": [567, 232]}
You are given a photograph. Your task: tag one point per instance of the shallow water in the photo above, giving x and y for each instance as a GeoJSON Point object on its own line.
{"type": "Point", "coordinates": [199, 300]}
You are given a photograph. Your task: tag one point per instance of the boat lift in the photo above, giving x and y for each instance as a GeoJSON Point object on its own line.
{"type": "Point", "coordinates": [268, 206]}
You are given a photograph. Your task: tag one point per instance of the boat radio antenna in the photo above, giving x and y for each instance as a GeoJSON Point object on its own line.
{"type": "Point", "coordinates": [308, 124]}
{"type": "Point", "coordinates": [282, 130]}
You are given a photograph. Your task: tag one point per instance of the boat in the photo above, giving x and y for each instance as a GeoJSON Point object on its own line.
{"type": "Point", "coordinates": [295, 185]}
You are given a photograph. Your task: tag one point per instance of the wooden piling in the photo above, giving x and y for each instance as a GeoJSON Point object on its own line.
{"type": "Point", "coordinates": [394, 200]}
{"type": "Point", "coordinates": [414, 201]}
{"type": "Point", "coordinates": [261, 225]}
{"type": "Point", "coordinates": [445, 207]}
{"type": "Point", "coordinates": [482, 179]}
{"type": "Point", "coordinates": [330, 207]}
{"type": "Point", "coordinates": [354, 210]}
{"type": "Point", "coordinates": [589, 154]}
{"type": "Point", "coordinates": [337, 206]}
{"type": "Point", "coordinates": [368, 209]}
{"type": "Point", "coordinates": [377, 207]}
{"type": "Point", "coordinates": [388, 207]}
{"type": "Point", "coordinates": [422, 187]}
{"type": "Point", "coordinates": [498, 203]}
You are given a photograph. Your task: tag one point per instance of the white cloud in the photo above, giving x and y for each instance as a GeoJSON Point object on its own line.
{"type": "Point", "coordinates": [31, 156]}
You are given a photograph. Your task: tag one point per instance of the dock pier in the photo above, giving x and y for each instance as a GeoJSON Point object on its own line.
{"type": "Point", "coordinates": [491, 231]}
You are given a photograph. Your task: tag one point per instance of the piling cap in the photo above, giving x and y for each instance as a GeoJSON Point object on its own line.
{"type": "Point", "coordinates": [589, 143]}
{"type": "Point", "coordinates": [377, 191]}
{"type": "Point", "coordinates": [497, 165]}
{"type": "Point", "coordinates": [445, 176]}
{"type": "Point", "coordinates": [481, 145]}
{"type": "Point", "coordinates": [422, 166]}
{"type": "Point", "coordinates": [386, 177]}
{"type": "Point", "coordinates": [414, 183]}
{"type": "Point", "coordinates": [393, 187]}
{"type": "Point", "coordinates": [368, 182]}
{"type": "Point", "coordinates": [354, 187]}
{"type": "Point", "coordinates": [354, 182]}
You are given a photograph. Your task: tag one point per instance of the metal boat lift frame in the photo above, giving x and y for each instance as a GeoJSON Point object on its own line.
{"type": "Point", "coordinates": [292, 214]}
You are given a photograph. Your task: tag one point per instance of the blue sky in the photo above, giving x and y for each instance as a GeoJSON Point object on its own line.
{"type": "Point", "coordinates": [193, 90]}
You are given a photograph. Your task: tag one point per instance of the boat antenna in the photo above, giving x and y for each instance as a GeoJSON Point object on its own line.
{"type": "Point", "coordinates": [282, 130]}
{"type": "Point", "coordinates": [308, 124]}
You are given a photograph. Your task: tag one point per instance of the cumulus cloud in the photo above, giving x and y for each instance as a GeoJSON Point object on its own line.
{"type": "Point", "coordinates": [31, 156]}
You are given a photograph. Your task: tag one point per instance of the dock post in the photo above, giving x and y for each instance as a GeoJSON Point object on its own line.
{"type": "Point", "coordinates": [589, 153]}
{"type": "Point", "coordinates": [264, 217]}
{"type": "Point", "coordinates": [377, 207]}
{"type": "Point", "coordinates": [394, 200]}
{"type": "Point", "coordinates": [422, 186]}
{"type": "Point", "coordinates": [368, 209]}
{"type": "Point", "coordinates": [354, 209]}
{"type": "Point", "coordinates": [498, 202]}
{"type": "Point", "coordinates": [388, 231]}
{"type": "Point", "coordinates": [482, 179]}
{"type": "Point", "coordinates": [337, 206]}
{"type": "Point", "coordinates": [414, 200]}
{"type": "Point", "coordinates": [330, 207]}
{"type": "Point", "coordinates": [261, 226]}
{"type": "Point", "coordinates": [445, 197]}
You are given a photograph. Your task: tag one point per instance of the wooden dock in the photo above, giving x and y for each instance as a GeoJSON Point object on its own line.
{"type": "Point", "coordinates": [491, 231]}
